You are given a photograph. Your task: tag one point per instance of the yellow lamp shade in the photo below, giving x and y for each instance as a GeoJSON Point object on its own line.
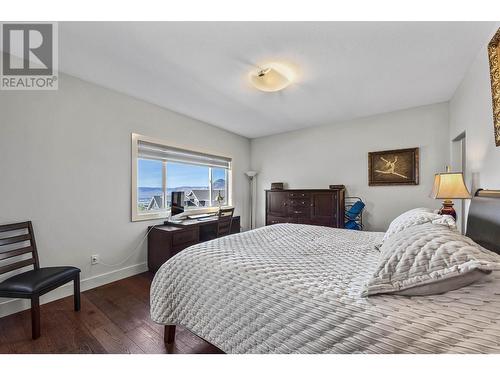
{"type": "Point", "coordinates": [449, 186]}
{"type": "Point", "coordinates": [272, 77]}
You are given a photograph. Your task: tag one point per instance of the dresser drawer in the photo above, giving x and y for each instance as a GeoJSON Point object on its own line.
{"type": "Point", "coordinates": [185, 237]}
{"type": "Point", "coordinates": [298, 195]}
{"type": "Point", "coordinates": [299, 211]}
{"type": "Point", "coordinates": [299, 203]}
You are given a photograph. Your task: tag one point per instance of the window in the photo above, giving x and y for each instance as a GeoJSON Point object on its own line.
{"type": "Point", "coordinates": [159, 169]}
{"type": "Point", "coordinates": [150, 195]}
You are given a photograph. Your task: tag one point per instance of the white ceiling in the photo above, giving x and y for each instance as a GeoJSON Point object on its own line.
{"type": "Point", "coordinates": [347, 69]}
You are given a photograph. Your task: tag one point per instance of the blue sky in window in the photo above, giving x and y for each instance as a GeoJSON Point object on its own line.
{"type": "Point", "coordinates": [218, 173]}
{"type": "Point", "coordinates": [186, 175]}
{"type": "Point", "coordinates": [150, 174]}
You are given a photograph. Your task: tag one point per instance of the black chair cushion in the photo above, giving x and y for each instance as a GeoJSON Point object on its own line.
{"type": "Point", "coordinates": [35, 281]}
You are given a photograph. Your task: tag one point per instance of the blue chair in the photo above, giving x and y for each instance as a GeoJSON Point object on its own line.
{"type": "Point", "coordinates": [354, 213]}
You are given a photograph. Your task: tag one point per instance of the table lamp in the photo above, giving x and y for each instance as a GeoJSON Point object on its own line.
{"type": "Point", "coordinates": [449, 186]}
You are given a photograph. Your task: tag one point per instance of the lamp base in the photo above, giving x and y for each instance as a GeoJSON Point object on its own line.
{"type": "Point", "coordinates": [448, 209]}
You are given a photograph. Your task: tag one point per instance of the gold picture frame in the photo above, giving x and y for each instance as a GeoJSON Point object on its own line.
{"type": "Point", "coordinates": [494, 57]}
{"type": "Point", "coordinates": [393, 167]}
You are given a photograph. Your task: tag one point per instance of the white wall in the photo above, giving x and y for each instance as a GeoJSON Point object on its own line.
{"type": "Point", "coordinates": [338, 154]}
{"type": "Point", "coordinates": [471, 111]}
{"type": "Point", "coordinates": [65, 164]}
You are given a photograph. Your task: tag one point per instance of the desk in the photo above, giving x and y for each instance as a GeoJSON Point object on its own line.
{"type": "Point", "coordinates": [164, 241]}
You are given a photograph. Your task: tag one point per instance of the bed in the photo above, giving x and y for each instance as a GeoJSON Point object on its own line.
{"type": "Point", "coordinates": [291, 288]}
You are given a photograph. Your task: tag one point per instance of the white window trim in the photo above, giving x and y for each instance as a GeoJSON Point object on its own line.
{"type": "Point", "coordinates": [163, 214]}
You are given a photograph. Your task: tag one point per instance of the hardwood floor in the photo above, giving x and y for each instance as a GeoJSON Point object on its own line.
{"type": "Point", "coordinates": [114, 319]}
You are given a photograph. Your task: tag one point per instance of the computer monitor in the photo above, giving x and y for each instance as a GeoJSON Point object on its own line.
{"type": "Point", "coordinates": [177, 202]}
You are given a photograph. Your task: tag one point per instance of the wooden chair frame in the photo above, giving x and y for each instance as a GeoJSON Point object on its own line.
{"type": "Point", "coordinates": [225, 221]}
{"type": "Point", "coordinates": [34, 297]}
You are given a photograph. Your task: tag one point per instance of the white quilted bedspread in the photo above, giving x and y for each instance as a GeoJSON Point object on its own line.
{"type": "Point", "coordinates": [292, 288]}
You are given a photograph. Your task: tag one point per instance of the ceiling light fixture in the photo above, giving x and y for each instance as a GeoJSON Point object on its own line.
{"type": "Point", "coordinates": [272, 77]}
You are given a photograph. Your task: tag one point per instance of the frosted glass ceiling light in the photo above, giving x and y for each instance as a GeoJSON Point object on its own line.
{"type": "Point", "coordinates": [271, 77]}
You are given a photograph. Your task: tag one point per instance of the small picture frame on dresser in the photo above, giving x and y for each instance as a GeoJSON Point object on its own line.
{"type": "Point", "coordinates": [335, 187]}
{"type": "Point", "coordinates": [277, 185]}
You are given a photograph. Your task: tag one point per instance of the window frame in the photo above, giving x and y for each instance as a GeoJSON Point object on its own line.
{"type": "Point", "coordinates": [165, 213]}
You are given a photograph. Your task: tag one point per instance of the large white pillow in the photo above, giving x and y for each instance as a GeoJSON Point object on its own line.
{"type": "Point", "coordinates": [417, 216]}
{"type": "Point", "coordinates": [429, 259]}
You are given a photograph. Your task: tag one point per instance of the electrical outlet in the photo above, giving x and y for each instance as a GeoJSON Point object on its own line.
{"type": "Point", "coordinates": [94, 259]}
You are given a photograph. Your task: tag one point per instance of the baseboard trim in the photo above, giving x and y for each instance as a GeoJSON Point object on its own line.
{"type": "Point", "coordinates": [15, 305]}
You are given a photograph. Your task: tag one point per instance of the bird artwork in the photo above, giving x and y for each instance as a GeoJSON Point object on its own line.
{"type": "Point", "coordinates": [390, 167]}
{"type": "Point", "coordinates": [394, 167]}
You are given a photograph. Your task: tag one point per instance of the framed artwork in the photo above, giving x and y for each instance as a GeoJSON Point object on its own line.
{"type": "Point", "coordinates": [494, 56]}
{"type": "Point", "coordinates": [393, 167]}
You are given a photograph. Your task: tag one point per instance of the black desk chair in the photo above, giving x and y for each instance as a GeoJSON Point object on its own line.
{"type": "Point", "coordinates": [30, 284]}
{"type": "Point", "coordinates": [225, 221]}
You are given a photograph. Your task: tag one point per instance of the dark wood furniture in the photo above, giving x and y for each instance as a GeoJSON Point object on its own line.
{"type": "Point", "coordinates": [164, 241]}
{"type": "Point", "coordinates": [169, 335]}
{"type": "Point", "coordinates": [483, 219]}
{"type": "Point", "coordinates": [17, 251]}
{"type": "Point", "coordinates": [225, 221]}
{"type": "Point", "coordinates": [306, 206]}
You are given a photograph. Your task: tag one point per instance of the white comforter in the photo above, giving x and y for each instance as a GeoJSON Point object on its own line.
{"type": "Point", "coordinates": [292, 288]}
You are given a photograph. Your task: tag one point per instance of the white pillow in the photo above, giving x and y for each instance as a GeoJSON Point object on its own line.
{"type": "Point", "coordinates": [417, 216]}
{"type": "Point", "coordinates": [429, 259]}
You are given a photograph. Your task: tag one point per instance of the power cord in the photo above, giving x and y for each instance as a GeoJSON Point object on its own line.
{"type": "Point", "coordinates": [131, 254]}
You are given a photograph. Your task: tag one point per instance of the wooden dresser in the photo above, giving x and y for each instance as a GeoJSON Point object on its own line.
{"type": "Point", "coordinates": [311, 206]}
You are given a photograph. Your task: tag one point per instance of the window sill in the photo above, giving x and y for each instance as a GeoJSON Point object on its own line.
{"type": "Point", "coordinates": [162, 215]}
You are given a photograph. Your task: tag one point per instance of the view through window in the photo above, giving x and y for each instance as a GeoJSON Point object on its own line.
{"type": "Point", "coordinates": [157, 179]}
